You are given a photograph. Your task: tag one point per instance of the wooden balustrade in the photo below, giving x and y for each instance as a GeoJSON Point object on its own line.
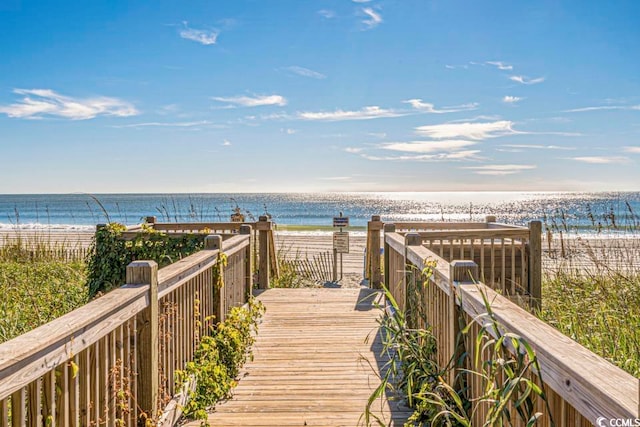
{"type": "Point", "coordinates": [114, 359]}
{"type": "Point", "coordinates": [580, 386]}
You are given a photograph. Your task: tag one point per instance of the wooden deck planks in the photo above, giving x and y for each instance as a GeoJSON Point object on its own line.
{"type": "Point", "coordinates": [316, 362]}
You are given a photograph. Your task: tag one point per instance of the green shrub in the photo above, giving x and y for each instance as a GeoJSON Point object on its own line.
{"type": "Point", "coordinates": [219, 358]}
{"type": "Point", "coordinates": [110, 254]}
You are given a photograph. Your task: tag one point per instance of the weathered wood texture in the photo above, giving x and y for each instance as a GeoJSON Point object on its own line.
{"type": "Point", "coordinates": [580, 385]}
{"type": "Point", "coordinates": [316, 362]}
{"type": "Point", "coordinates": [114, 359]}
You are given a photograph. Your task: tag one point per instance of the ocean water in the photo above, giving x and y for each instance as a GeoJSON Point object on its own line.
{"type": "Point", "coordinates": [617, 212]}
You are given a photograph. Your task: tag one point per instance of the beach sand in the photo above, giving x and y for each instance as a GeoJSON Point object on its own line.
{"type": "Point", "coordinates": [577, 254]}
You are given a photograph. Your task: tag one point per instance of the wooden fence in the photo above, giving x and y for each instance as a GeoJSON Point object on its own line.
{"type": "Point", "coordinates": [264, 249]}
{"type": "Point", "coordinates": [509, 256]}
{"type": "Point", "coordinates": [114, 359]}
{"type": "Point", "coordinates": [581, 387]}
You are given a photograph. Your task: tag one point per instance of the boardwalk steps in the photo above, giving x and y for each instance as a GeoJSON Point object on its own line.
{"type": "Point", "coordinates": [316, 362]}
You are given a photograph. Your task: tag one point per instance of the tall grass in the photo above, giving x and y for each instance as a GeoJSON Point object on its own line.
{"type": "Point", "coordinates": [38, 283]}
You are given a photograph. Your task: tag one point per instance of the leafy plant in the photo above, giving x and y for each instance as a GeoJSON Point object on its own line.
{"type": "Point", "coordinates": [218, 360]}
{"type": "Point", "coordinates": [110, 254]}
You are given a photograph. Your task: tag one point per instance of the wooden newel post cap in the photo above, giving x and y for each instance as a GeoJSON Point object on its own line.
{"type": "Point", "coordinates": [141, 272]}
{"type": "Point", "coordinates": [263, 218]}
{"type": "Point", "coordinates": [150, 220]}
{"type": "Point", "coordinates": [490, 218]}
{"type": "Point", "coordinates": [375, 218]}
{"type": "Point", "coordinates": [101, 226]}
{"type": "Point", "coordinates": [389, 228]}
{"type": "Point", "coordinates": [464, 271]}
{"type": "Point", "coordinates": [213, 241]}
{"type": "Point", "coordinates": [412, 239]}
{"type": "Point", "coordinates": [245, 229]}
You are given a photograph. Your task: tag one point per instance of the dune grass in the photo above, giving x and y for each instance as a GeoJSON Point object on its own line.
{"type": "Point", "coordinates": [38, 283]}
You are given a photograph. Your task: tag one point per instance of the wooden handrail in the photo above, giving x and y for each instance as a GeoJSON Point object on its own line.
{"type": "Point", "coordinates": [36, 354]}
{"type": "Point", "coordinates": [590, 384]}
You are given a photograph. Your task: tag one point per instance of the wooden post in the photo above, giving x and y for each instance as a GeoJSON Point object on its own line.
{"type": "Point", "coordinates": [490, 218]}
{"type": "Point", "coordinates": [146, 273]}
{"type": "Point", "coordinates": [374, 226]}
{"type": "Point", "coordinates": [264, 227]}
{"type": "Point", "coordinates": [213, 242]}
{"type": "Point", "coordinates": [245, 229]}
{"type": "Point", "coordinates": [388, 228]}
{"type": "Point", "coordinates": [151, 220]}
{"type": "Point", "coordinates": [460, 272]}
{"type": "Point", "coordinates": [535, 264]}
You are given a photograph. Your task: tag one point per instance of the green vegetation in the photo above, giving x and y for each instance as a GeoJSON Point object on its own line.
{"type": "Point", "coordinates": [110, 254]}
{"type": "Point", "coordinates": [218, 360]}
{"type": "Point", "coordinates": [600, 310]}
{"type": "Point", "coordinates": [413, 373]}
{"type": "Point", "coordinates": [37, 285]}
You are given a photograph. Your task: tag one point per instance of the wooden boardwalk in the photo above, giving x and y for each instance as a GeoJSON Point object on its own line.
{"type": "Point", "coordinates": [316, 362]}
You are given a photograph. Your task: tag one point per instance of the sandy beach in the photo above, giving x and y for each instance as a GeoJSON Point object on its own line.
{"type": "Point", "coordinates": [618, 253]}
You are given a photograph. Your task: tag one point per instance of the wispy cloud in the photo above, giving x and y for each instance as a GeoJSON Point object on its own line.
{"type": "Point", "coordinates": [366, 113]}
{"type": "Point", "coordinates": [253, 101]}
{"type": "Point", "coordinates": [205, 37]}
{"type": "Point", "coordinates": [474, 131]}
{"type": "Point", "coordinates": [500, 65]}
{"type": "Point", "coordinates": [200, 123]}
{"type": "Point", "coordinates": [361, 1]}
{"type": "Point", "coordinates": [601, 160]}
{"type": "Point", "coordinates": [354, 150]}
{"type": "Point", "coordinates": [526, 80]}
{"type": "Point", "coordinates": [454, 67]}
{"type": "Point", "coordinates": [603, 107]}
{"type": "Point", "coordinates": [288, 131]}
{"type": "Point", "coordinates": [305, 72]}
{"type": "Point", "coordinates": [427, 146]}
{"type": "Point", "coordinates": [373, 18]}
{"type": "Point", "coordinates": [453, 156]}
{"type": "Point", "coordinates": [538, 147]}
{"type": "Point", "coordinates": [632, 149]}
{"type": "Point", "coordinates": [38, 103]}
{"type": "Point", "coordinates": [427, 107]}
{"type": "Point", "coordinates": [336, 178]}
{"type": "Point", "coordinates": [508, 99]}
{"type": "Point", "coordinates": [326, 13]}
{"type": "Point", "coordinates": [499, 169]}
{"type": "Point", "coordinates": [226, 143]}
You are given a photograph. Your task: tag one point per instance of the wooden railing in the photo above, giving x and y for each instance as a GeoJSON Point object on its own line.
{"type": "Point", "coordinates": [264, 249]}
{"type": "Point", "coordinates": [112, 361]}
{"type": "Point", "coordinates": [581, 387]}
{"type": "Point", "coordinates": [509, 256]}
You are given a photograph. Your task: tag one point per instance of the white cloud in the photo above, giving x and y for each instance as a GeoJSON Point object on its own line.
{"type": "Point", "coordinates": [373, 18]}
{"type": "Point", "coordinates": [500, 65]}
{"type": "Point", "coordinates": [336, 178]}
{"type": "Point", "coordinates": [603, 107]}
{"type": "Point", "coordinates": [361, 1]}
{"type": "Point", "coordinates": [353, 150]}
{"type": "Point", "coordinates": [511, 99]}
{"type": "Point", "coordinates": [453, 67]}
{"type": "Point", "coordinates": [499, 169]}
{"type": "Point", "coordinates": [38, 103]}
{"type": "Point", "coordinates": [171, 124]}
{"type": "Point", "coordinates": [633, 150]}
{"type": "Point", "coordinates": [427, 107]}
{"type": "Point", "coordinates": [326, 13]}
{"type": "Point", "coordinates": [226, 143]}
{"type": "Point", "coordinates": [601, 160]}
{"type": "Point", "coordinates": [475, 131]}
{"type": "Point", "coordinates": [305, 72]}
{"type": "Point", "coordinates": [427, 146]}
{"type": "Point", "coordinates": [526, 80]}
{"type": "Point", "coordinates": [538, 147]}
{"type": "Point", "coordinates": [366, 113]}
{"type": "Point", "coordinates": [253, 101]}
{"type": "Point", "coordinates": [458, 155]}
{"type": "Point", "coordinates": [288, 131]}
{"type": "Point", "coordinates": [205, 37]}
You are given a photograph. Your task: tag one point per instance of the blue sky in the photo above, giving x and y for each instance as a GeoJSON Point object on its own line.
{"type": "Point", "coordinates": [324, 95]}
